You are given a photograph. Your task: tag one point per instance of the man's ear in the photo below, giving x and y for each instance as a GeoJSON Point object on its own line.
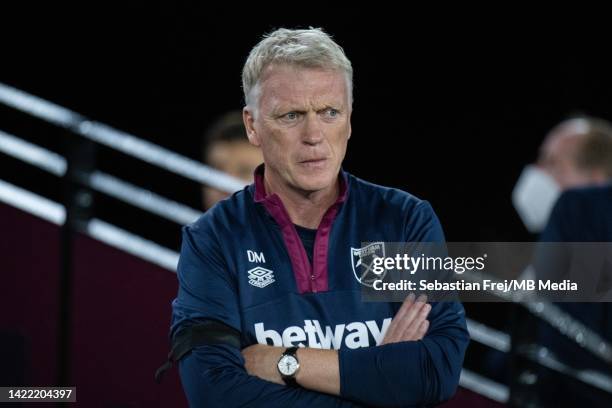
{"type": "Point", "coordinates": [350, 128]}
{"type": "Point", "coordinates": [249, 124]}
{"type": "Point", "coordinates": [598, 176]}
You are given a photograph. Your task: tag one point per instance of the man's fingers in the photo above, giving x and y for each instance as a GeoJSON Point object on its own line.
{"type": "Point", "coordinates": [414, 313]}
{"type": "Point", "coordinates": [422, 329]}
{"type": "Point", "coordinates": [393, 332]}
{"type": "Point", "coordinates": [406, 324]}
{"type": "Point", "coordinates": [405, 306]}
{"type": "Point", "coordinates": [412, 329]}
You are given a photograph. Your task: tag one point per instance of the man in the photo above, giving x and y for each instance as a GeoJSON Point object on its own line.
{"type": "Point", "coordinates": [579, 215]}
{"type": "Point", "coordinates": [576, 153]}
{"type": "Point", "coordinates": [275, 261]}
{"type": "Point", "coordinates": [226, 148]}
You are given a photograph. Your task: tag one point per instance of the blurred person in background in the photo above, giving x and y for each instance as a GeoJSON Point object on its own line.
{"type": "Point", "coordinates": [226, 148]}
{"type": "Point", "coordinates": [570, 194]}
{"type": "Point", "coordinates": [575, 153]}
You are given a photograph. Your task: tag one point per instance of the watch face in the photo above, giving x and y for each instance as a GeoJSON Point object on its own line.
{"type": "Point", "coordinates": [288, 365]}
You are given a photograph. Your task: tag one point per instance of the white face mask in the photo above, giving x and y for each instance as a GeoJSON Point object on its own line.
{"type": "Point", "coordinates": [534, 196]}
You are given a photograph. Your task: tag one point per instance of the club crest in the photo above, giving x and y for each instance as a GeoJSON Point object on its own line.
{"type": "Point", "coordinates": [362, 260]}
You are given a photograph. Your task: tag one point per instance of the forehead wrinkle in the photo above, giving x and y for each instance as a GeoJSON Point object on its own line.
{"type": "Point", "coordinates": [307, 92]}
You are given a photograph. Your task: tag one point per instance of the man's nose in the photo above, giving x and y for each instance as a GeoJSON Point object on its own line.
{"type": "Point", "coordinates": [313, 131]}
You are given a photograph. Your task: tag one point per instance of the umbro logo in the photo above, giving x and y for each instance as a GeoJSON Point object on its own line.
{"type": "Point", "coordinates": [260, 277]}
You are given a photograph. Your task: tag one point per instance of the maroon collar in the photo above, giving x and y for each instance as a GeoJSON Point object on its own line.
{"type": "Point", "coordinates": [308, 278]}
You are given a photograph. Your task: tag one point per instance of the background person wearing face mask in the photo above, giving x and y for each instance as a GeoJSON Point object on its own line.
{"type": "Point", "coordinates": [575, 153]}
{"type": "Point", "coordinates": [569, 193]}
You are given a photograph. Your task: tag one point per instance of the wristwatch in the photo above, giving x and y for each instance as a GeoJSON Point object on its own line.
{"type": "Point", "coordinates": [288, 366]}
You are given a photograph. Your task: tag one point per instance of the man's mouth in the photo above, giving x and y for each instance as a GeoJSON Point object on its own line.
{"type": "Point", "coordinates": [313, 162]}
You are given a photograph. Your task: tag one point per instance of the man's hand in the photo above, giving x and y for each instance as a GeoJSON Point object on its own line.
{"type": "Point", "coordinates": [261, 361]}
{"type": "Point", "coordinates": [410, 323]}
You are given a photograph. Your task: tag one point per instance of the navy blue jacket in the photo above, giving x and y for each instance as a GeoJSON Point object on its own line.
{"type": "Point", "coordinates": [580, 215]}
{"type": "Point", "coordinates": [243, 263]}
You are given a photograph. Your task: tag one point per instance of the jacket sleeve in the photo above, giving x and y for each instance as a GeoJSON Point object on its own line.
{"type": "Point", "coordinates": [413, 372]}
{"type": "Point", "coordinates": [214, 375]}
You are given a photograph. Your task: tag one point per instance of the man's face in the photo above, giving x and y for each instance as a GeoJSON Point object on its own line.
{"type": "Point", "coordinates": [302, 125]}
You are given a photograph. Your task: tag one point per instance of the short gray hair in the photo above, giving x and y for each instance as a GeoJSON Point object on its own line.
{"type": "Point", "coordinates": [309, 48]}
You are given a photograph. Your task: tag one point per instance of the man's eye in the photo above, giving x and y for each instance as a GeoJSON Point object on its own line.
{"type": "Point", "coordinates": [291, 116]}
{"type": "Point", "coordinates": [332, 113]}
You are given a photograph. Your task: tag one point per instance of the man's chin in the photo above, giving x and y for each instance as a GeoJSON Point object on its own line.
{"type": "Point", "coordinates": [314, 183]}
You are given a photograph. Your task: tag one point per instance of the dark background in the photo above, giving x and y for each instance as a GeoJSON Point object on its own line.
{"type": "Point", "coordinates": [450, 111]}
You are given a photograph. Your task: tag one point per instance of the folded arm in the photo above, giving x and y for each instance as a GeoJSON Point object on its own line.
{"type": "Point", "coordinates": [407, 368]}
